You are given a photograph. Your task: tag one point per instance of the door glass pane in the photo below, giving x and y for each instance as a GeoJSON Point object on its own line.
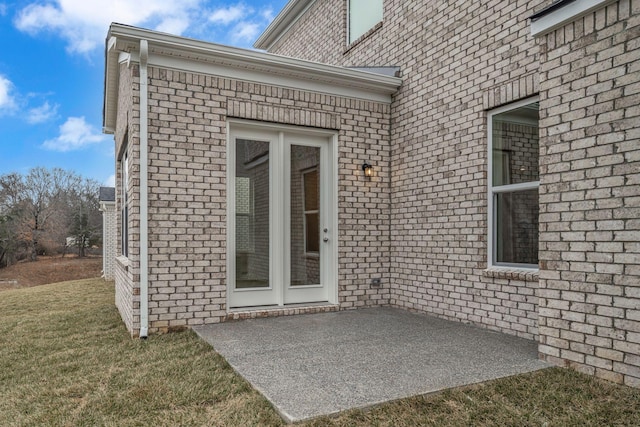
{"type": "Point", "coordinates": [517, 227]}
{"type": "Point", "coordinates": [252, 214]}
{"type": "Point", "coordinates": [305, 215]}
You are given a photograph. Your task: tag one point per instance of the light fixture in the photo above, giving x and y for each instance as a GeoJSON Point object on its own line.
{"type": "Point", "coordinates": [368, 170]}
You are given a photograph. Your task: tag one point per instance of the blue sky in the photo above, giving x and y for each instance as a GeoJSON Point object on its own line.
{"type": "Point", "coordinates": [52, 70]}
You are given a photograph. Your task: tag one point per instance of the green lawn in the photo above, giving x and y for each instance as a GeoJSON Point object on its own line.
{"type": "Point", "coordinates": [66, 360]}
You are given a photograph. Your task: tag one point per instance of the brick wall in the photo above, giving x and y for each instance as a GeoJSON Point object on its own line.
{"type": "Point", "coordinates": [457, 60]}
{"type": "Point", "coordinates": [590, 194]}
{"type": "Point", "coordinates": [127, 270]}
{"type": "Point", "coordinates": [188, 199]}
{"type": "Point", "coordinates": [109, 238]}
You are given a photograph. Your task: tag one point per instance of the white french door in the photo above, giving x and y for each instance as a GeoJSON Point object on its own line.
{"type": "Point", "coordinates": [282, 216]}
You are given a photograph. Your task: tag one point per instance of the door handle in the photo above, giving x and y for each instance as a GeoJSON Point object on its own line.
{"type": "Point", "coordinates": [326, 239]}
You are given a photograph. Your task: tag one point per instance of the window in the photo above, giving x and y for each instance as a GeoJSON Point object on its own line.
{"type": "Point", "coordinates": [363, 15]}
{"type": "Point", "coordinates": [311, 211]}
{"type": "Point", "coordinates": [124, 201]}
{"type": "Point", "coordinates": [513, 185]}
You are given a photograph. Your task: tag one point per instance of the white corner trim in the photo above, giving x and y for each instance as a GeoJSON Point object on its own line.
{"type": "Point", "coordinates": [572, 11]}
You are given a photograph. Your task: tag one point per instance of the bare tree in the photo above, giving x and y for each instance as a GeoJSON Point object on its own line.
{"type": "Point", "coordinates": [44, 207]}
{"type": "Point", "coordinates": [43, 196]}
{"type": "Point", "coordinates": [85, 217]}
{"type": "Point", "coordinates": [11, 187]}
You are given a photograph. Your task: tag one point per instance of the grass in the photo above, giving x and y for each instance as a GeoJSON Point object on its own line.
{"type": "Point", "coordinates": [66, 360]}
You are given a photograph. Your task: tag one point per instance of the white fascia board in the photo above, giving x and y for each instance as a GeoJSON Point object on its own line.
{"type": "Point", "coordinates": [111, 81]}
{"type": "Point", "coordinates": [563, 15]}
{"type": "Point", "coordinates": [113, 59]}
{"type": "Point", "coordinates": [288, 16]}
{"type": "Point", "coordinates": [185, 54]}
{"type": "Point", "coordinates": [293, 80]}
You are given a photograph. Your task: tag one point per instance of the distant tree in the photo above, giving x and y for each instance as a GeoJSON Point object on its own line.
{"type": "Point", "coordinates": [10, 215]}
{"type": "Point", "coordinates": [43, 197]}
{"type": "Point", "coordinates": [85, 217]}
{"type": "Point", "coordinates": [8, 239]}
{"type": "Point", "coordinates": [44, 207]}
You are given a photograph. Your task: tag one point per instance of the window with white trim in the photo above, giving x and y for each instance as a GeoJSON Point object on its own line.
{"type": "Point", "coordinates": [124, 200]}
{"type": "Point", "coordinates": [363, 15]}
{"type": "Point", "coordinates": [513, 185]}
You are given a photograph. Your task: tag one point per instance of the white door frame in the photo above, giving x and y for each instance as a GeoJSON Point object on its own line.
{"type": "Point", "coordinates": [281, 137]}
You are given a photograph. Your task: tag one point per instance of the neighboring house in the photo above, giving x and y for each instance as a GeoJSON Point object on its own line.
{"type": "Point", "coordinates": [504, 188]}
{"type": "Point", "coordinates": [74, 242]}
{"type": "Point", "coordinates": [107, 197]}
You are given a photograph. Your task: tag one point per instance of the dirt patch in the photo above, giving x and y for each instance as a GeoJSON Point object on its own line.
{"type": "Point", "coordinates": [49, 270]}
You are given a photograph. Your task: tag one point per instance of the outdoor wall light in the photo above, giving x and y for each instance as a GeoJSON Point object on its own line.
{"type": "Point", "coordinates": [367, 169]}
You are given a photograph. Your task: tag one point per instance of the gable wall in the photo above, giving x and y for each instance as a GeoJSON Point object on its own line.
{"type": "Point", "coordinates": [590, 194]}
{"type": "Point", "coordinates": [188, 199]}
{"type": "Point", "coordinates": [457, 60]}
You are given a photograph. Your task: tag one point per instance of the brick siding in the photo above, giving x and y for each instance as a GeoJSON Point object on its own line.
{"type": "Point", "coordinates": [188, 198]}
{"type": "Point", "coordinates": [109, 238]}
{"type": "Point", "coordinates": [590, 194]}
{"type": "Point", "coordinates": [423, 215]}
{"type": "Point", "coordinates": [127, 270]}
{"type": "Point", "coordinates": [457, 60]}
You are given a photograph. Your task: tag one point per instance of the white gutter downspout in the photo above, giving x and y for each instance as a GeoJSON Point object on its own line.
{"type": "Point", "coordinates": [144, 190]}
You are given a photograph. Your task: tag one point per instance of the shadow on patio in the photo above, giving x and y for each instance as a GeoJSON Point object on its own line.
{"type": "Point", "coordinates": [319, 364]}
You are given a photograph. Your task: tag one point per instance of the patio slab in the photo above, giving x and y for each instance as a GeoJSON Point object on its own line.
{"type": "Point", "coordinates": [319, 364]}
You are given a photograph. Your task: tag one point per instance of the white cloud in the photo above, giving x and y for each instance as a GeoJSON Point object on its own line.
{"type": "Point", "coordinates": [227, 15]}
{"type": "Point", "coordinates": [246, 22]}
{"type": "Point", "coordinates": [7, 101]}
{"type": "Point", "coordinates": [84, 23]}
{"type": "Point", "coordinates": [267, 14]}
{"type": "Point", "coordinates": [111, 181]}
{"type": "Point", "coordinates": [3, 9]}
{"type": "Point", "coordinates": [173, 25]}
{"type": "Point", "coordinates": [75, 134]}
{"type": "Point", "coordinates": [42, 113]}
{"type": "Point", "coordinates": [245, 32]}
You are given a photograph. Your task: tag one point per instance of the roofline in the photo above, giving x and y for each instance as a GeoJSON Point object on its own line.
{"type": "Point", "coordinates": [181, 53]}
{"type": "Point", "coordinates": [558, 4]}
{"type": "Point", "coordinates": [562, 12]}
{"type": "Point", "coordinates": [288, 16]}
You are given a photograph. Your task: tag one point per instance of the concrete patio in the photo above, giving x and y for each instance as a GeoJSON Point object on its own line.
{"type": "Point", "coordinates": [320, 364]}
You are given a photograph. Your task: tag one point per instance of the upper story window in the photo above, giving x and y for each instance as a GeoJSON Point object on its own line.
{"type": "Point", "coordinates": [363, 15]}
{"type": "Point", "coordinates": [513, 185]}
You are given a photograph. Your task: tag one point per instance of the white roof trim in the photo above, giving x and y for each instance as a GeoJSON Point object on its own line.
{"type": "Point", "coordinates": [197, 56]}
{"type": "Point", "coordinates": [565, 14]}
{"type": "Point", "coordinates": [288, 16]}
